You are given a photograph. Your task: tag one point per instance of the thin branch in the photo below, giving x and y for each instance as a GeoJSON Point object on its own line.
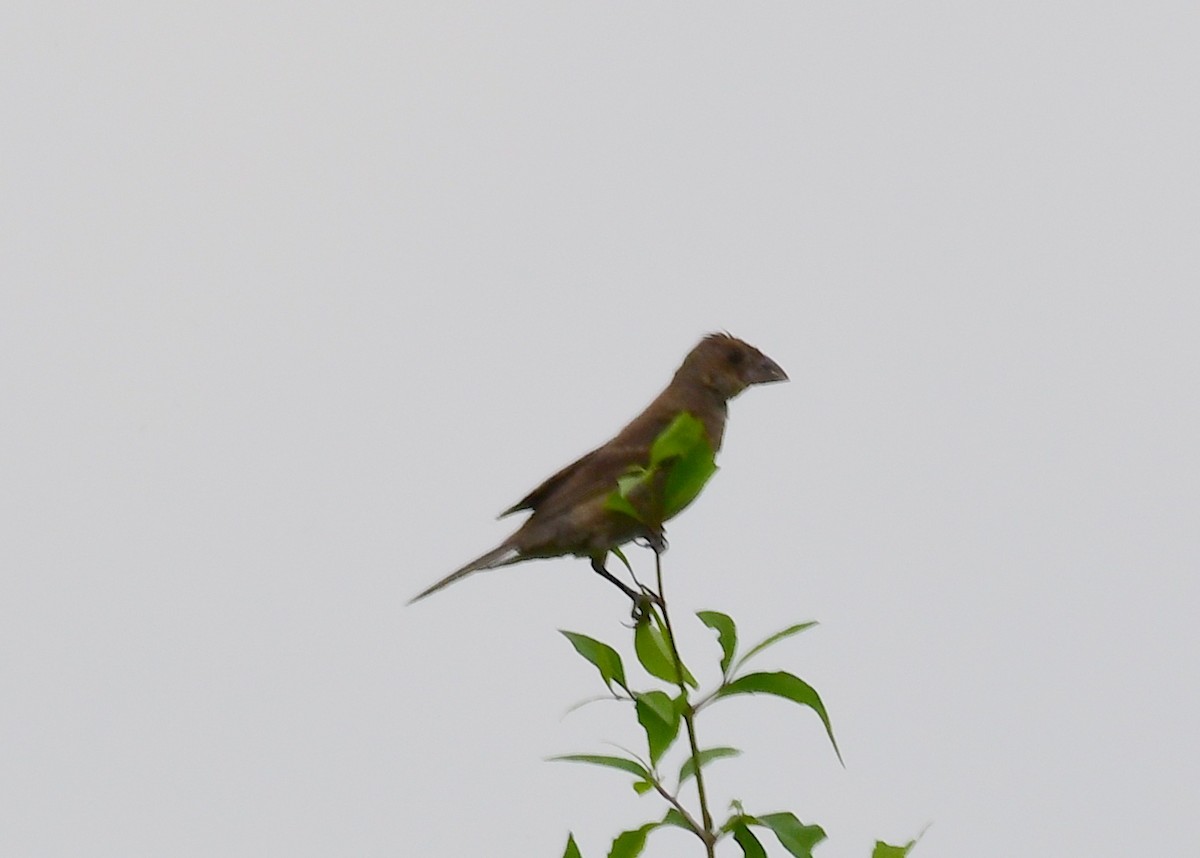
{"type": "Point", "coordinates": [674, 802]}
{"type": "Point", "coordinates": [707, 835]}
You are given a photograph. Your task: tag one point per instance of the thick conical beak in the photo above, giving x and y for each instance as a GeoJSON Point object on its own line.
{"type": "Point", "coordinates": [769, 371]}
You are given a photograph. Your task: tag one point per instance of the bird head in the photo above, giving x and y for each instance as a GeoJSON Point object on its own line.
{"type": "Point", "coordinates": [728, 365]}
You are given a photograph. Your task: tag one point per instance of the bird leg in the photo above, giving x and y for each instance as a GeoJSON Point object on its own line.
{"type": "Point", "coordinates": [599, 569]}
{"type": "Point", "coordinates": [655, 540]}
{"type": "Point", "coordinates": [639, 599]}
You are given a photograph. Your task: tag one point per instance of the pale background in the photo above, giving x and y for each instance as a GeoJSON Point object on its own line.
{"type": "Point", "coordinates": [297, 296]}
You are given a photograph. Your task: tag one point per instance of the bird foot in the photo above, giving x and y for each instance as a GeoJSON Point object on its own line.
{"type": "Point", "coordinates": [644, 599]}
{"type": "Point", "coordinates": [655, 541]}
{"type": "Point", "coordinates": [644, 604]}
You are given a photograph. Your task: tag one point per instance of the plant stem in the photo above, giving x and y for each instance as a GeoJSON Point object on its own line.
{"type": "Point", "coordinates": [675, 803]}
{"type": "Point", "coordinates": [708, 836]}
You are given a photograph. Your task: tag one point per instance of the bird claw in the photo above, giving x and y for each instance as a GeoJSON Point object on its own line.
{"type": "Point", "coordinates": [648, 595]}
{"type": "Point", "coordinates": [644, 604]}
{"type": "Point", "coordinates": [655, 541]}
{"type": "Point", "coordinates": [641, 597]}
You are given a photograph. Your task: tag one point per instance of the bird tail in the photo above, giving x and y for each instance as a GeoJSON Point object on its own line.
{"type": "Point", "coordinates": [502, 555]}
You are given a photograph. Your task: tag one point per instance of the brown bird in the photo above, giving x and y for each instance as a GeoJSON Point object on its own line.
{"type": "Point", "coordinates": [570, 515]}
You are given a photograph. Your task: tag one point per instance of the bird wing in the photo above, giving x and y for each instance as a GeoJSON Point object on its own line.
{"type": "Point", "coordinates": [584, 478]}
{"type": "Point", "coordinates": [536, 497]}
{"type": "Point", "coordinates": [598, 470]}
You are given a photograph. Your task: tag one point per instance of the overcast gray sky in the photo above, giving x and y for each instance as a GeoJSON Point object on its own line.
{"type": "Point", "coordinates": [297, 297]}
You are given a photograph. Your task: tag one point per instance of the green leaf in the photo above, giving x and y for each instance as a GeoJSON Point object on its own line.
{"type": "Point", "coordinates": [631, 766]}
{"type": "Point", "coordinates": [606, 659]}
{"type": "Point", "coordinates": [679, 438]}
{"type": "Point", "coordinates": [659, 704]}
{"type": "Point", "coordinates": [618, 498]}
{"type": "Point", "coordinates": [794, 836]}
{"type": "Point", "coordinates": [638, 495]}
{"type": "Point", "coordinates": [654, 653]}
{"type": "Point", "coordinates": [787, 686]}
{"type": "Point", "coordinates": [739, 817]}
{"type": "Point", "coordinates": [688, 769]}
{"type": "Point", "coordinates": [744, 837]}
{"type": "Point", "coordinates": [656, 713]}
{"type": "Point", "coordinates": [726, 631]}
{"type": "Point", "coordinates": [616, 549]}
{"type": "Point", "coordinates": [674, 817]}
{"type": "Point", "coordinates": [684, 445]}
{"type": "Point", "coordinates": [632, 479]}
{"type": "Point", "coordinates": [687, 478]}
{"type": "Point", "coordinates": [681, 462]}
{"type": "Point", "coordinates": [774, 639]}
{"type": "Point", "coordinates": [681, 703]}
{"type": "Point", "coordinates": [629, 844]}
{"type": "Point", "coordinates": [884, 850]}
{"type": "Point", "coordinates": [642, 787]}
{"type": "Point", "coordinates": [572, 850]}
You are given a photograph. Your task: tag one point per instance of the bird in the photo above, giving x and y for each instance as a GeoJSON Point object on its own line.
{"type": "Point", "coordinates": [568, 511]}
